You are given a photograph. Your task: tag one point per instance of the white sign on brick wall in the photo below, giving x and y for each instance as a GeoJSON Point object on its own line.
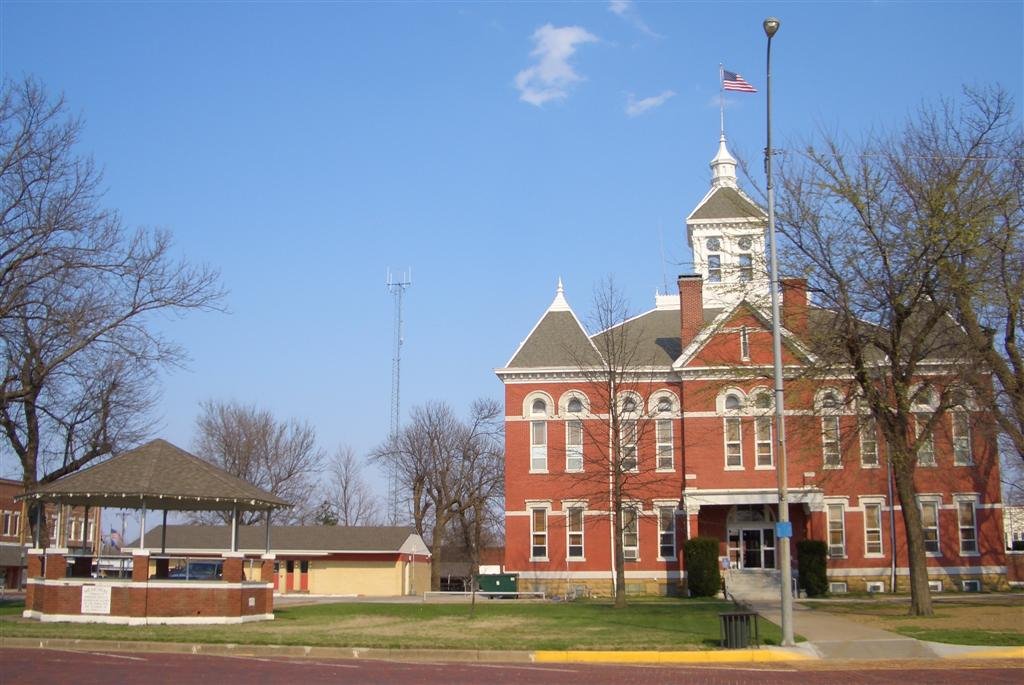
{"type": "Point", "coordinates": [95, 599]}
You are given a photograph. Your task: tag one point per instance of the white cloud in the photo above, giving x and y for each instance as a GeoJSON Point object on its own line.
{"type": "Point", "coordinates": [551, 76]}
{"type": "Point", "coordinates": [619, 7]}
{"type": "Point", "coordinates": [626, 10]}
{"type": "Point", "coordinates": [635, 108]}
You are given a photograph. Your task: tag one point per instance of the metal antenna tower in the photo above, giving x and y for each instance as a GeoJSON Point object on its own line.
{"type": "Point", "coordinates": [397, 287]}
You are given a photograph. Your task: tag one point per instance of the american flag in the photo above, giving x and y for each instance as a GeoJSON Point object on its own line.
{"type": "Point", "coordinates": [733, 81]}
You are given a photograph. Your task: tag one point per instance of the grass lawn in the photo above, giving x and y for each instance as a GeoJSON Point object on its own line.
{"type": "Point", "coordinates": [664, 624]}
{"type": "Point", "coordinates": [996, 620]}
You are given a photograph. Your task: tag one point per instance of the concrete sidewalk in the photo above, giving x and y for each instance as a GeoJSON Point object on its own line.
{"type": "Point", "coordinates": [830, 636]}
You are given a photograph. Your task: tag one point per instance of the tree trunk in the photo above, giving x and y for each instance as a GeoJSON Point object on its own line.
{"type": "Point", "coordinates": [620, 558]}
{"type": "Point", "coordinates": [435, 551]}
{"type": "Point", "coordinates": [920, 595]}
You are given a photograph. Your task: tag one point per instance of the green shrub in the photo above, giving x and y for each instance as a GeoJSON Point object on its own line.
{"type": "Point", "coordinates": [702, 575]}
{"type": "Point", "coordinates": [811, 557]}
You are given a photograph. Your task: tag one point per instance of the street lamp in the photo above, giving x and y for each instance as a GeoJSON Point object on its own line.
{"type": "Point", "coordinates": [783, 527]}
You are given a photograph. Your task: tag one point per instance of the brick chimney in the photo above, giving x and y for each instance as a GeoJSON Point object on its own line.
{"type": "Point", "coordinates": [794, 305]}
{"type": "Point", "coordinates": [691, 307]}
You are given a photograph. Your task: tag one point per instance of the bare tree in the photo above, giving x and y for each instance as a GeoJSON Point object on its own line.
{"type": "Point", "coordinates": [349, 497]}
{"type": "Point", "coordinates": [620, 375]}
{"type": "Point", "coordinates": [447, 467]}
{"type": "Point", "coordinates": [281, 457]}
{"type": "Point", "coordinates": [872, 223]}
{"type": "Point", "coordinates": [78, 294]}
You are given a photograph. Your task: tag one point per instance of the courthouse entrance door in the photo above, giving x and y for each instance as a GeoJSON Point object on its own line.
{"type": "Point", "coordinates": [751, 537]}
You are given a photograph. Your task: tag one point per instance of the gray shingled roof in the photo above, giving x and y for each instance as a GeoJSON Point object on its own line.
{"type": "Point", "coordinates": [727, 203]}
{"type": "Point", "coordinates": [558, 340]}
{"type": "Point", "coordinates": [282, 538]}
{"type": "Point", "coordinates": [161, 476]}
{"type": "Point", "coordinates": [655, 334]}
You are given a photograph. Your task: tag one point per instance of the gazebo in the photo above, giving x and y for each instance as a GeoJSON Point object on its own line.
{"type": "Point", "coordinates": [160, 477]}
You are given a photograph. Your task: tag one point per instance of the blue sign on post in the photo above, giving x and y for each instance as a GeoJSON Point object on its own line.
{"type": "Point", "coordinates": [783, 529]}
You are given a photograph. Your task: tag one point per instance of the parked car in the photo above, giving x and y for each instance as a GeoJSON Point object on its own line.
{"type": "Point", "coordinates": [197, 570]}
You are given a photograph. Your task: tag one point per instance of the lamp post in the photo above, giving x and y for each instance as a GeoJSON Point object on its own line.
{"type": "Point", "coordinates": [783, 528]}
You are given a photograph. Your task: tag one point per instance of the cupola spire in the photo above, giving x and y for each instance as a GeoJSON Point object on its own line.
{"type": "Point", "coordinates": [723, 166]}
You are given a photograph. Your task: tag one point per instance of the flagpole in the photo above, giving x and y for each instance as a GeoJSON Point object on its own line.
{"type": "Point", "coordinates": [721, 98]}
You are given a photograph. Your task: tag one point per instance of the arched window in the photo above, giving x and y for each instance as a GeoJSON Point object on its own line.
{"type": "Point", "coordinates": [539, 407]}
{"type": "Point", "coordinates": [575, 405]}
{"type": "Point", "coordinates": [733, 402]}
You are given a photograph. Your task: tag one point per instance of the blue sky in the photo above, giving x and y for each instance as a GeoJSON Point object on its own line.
{"type": "Point", "coordinates": [305, 148]}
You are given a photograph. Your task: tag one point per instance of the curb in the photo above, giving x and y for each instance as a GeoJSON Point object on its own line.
{"type": "Point", "coordinates": [762, 655]}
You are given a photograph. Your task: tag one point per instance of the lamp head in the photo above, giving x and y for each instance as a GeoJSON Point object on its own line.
{"type": "Point", "coordinates": [771, 25]}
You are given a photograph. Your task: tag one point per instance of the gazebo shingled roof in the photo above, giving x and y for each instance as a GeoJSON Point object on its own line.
{"type": "Point", "coordinates": [157, 475]}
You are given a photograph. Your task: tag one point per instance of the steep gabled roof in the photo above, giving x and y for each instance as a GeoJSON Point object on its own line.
{"type": "Point", "coordinates": [557, 340]}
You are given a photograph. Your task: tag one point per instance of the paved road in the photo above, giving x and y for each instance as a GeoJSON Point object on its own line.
{"type": "Point", "coordinates": [33, 666]}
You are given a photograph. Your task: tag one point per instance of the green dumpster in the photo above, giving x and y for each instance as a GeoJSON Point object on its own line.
{"type": "Point", "coordinates": [498, 584]}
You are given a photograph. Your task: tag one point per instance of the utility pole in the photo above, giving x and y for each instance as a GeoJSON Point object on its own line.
{"type": "Point", "coordinates": [397, 287]}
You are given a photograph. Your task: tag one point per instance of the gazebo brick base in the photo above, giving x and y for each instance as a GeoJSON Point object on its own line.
{"type": "Point", "coordinates": [143, 601]}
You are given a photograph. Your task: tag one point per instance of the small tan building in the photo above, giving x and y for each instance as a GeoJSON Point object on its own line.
{"type": "Point", "coordinates": [363, 561]}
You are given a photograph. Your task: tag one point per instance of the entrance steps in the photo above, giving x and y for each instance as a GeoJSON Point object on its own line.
{"type": "Point", "coordinates": [752, 585]}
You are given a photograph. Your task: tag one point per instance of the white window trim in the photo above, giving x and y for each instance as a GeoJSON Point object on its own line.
{"type": "Point", "coordinates": [538, 451]}
{"type": "Point", "coordinates": [582, 506]}
{"type": "Point", "coordinates": [546, 508]}
{"type": "Point", "coordinates": [843, 505]}
{"type": "Point", "coordinates": [862, 431]}
{"type": "Point", "coordinates": [974, 500]}
{"type": "Point", "coordinates": [919, 427]}
{"type": "Point", "coordinates": [638, 512]}
{"type": "Point", "coordinates": [838, 443]}
{"type": "Point", "coordinates": [726, 442]}
{"type": "Point", "coordinates": [959, 411]}
{"type": "Point", "coordinates": [674, 506]}
{"type": "Point", "coordinates": [574, 451]}
{"type": "Point", "coordinates": [921, 501]}
{"type": "Point", "coordinates": [659, 443]}
{"type": "Point", "coordinates": [880, 503]}
{"type": "Point", "coordinates": [771, 444]}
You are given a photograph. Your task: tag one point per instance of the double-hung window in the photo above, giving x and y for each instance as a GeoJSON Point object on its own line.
{"type": "Point", "coordinates": [869, 443]}
{"type": "Point", "coordinates": [574, 532]}
{"type": "Point", "coordinates": [930, 525]}
{"type": "Point", "coordinates": [627, 430]}
{"type": "Point", "coordinates": [538, 445]}
{"type": "Point", "coordinates": [630, 535]}
{"type": "Point", "coordinates": [664, 444]}
{"type": "Point", "coordinates": [961, 438]}
{"type": "Point", "coordinates": [965, 512]}
{"type": "Point", "coordinates": [873, 529]}
{"type": "Point", "coordinates": [667, 532]}
{"type": "Point", "coordinates": [714, 268]}
{"type": "Point", "coordinates": [763, 440]}
{"type": "Point", "coordinates": [8, 523]}
{"type": "Point", "coordinates": [830, 442]}
{"type": "Point", "coordinates": [746, 264]}
{"type": "Point", "coordinates": [574, 445]}
{"type": "Point", "coordinates": [836, 531]}
{"type": "Point", "coordinates": [926, 444]}
{"type": "Point", "coordinates": [539, 533]}
{"type": "Point", "coordinates": [733, 442]}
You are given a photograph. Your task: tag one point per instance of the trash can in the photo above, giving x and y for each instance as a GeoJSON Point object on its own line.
{"type": "Point", "coordinates": [737, 627]}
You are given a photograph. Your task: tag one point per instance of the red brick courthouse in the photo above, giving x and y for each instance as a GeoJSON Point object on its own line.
{"type": "Point", "coordinates": [66, 585]}
{"type": "Point", "coordinates": [698, 424]}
